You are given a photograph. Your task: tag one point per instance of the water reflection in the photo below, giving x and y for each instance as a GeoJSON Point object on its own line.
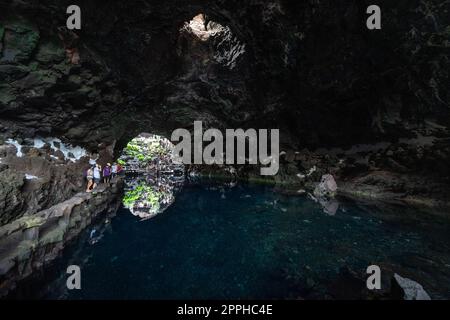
{"type": "Point", "coordinates": [330, 206]}
{"type": "Point", "coordinates": [147, 195]}
{"type": "Point", "coordinates": [256, 243]}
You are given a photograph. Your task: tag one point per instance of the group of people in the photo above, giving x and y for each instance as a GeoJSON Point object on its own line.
{"type": "Point", "coordinates": [95, 174]}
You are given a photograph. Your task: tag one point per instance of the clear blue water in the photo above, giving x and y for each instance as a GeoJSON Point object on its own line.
{"type": "Point", "coordinates": [250, 242]}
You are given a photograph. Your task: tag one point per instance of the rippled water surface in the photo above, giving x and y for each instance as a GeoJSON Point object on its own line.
{"type": "Point", "coordinates": [250, 242]}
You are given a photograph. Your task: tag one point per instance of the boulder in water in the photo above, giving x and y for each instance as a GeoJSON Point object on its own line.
{"type": "Point", "coordinates": [326, 188]}
{"type": "Point", "coordinates": [411, 289]}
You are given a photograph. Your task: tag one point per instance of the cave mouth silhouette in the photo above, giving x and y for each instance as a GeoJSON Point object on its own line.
{"type": "Point", "coordinates": [198, 26]}
{"type": "Point", "coordinates": [205, 43]}
{"type": "Point", "coordinates": [151, 177]}
{"type": "Point", "coordinates": [145, 152]}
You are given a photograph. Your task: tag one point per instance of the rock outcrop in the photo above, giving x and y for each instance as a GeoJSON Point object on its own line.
{"type": "Point", "coordinates": [411, 289]}
{"type": "Point", "coordinates": [30, 242]}
{"type": "Point", "coordinates": [327, 187]}
{"type": "Point", "coordinates": [38, 177]}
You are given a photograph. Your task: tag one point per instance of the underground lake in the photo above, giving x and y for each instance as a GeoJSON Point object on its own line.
{"type": "Point", "coordinates": [245, 241]}
{"type": "Point", "coordinates": [224, 150]}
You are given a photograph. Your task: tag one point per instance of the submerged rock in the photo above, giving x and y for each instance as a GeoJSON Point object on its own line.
{"type": "Point", "coordinates": [329, 206]}
{"type": "Point", "coordinates": [411, 289]}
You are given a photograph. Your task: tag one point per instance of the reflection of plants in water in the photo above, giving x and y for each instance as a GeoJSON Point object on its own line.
{"type": "Point", "coordinates": [144, 196]}
{"type": "Point", "coordinates": [147, 197]}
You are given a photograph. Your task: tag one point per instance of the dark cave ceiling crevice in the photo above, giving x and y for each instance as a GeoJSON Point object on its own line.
{"type": "Point", "coordinates": [310, 69]}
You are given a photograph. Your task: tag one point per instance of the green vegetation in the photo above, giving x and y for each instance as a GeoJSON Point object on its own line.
{"type": "Point", "coordinates": [144, 194]}
{"type": "Point", "coordinates": [144, 150]}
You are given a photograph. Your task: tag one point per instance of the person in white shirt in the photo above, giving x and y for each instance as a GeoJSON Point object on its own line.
{"type": "Point", "coordinates": [97, 175]}
{"type": "Point", "coordinates": [113, 170]}
{"type": "Point", "coordinates": [89, 178]}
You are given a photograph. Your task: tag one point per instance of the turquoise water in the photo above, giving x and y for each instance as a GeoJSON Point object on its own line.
{"type": "Point", "coordinates": [250, 242]}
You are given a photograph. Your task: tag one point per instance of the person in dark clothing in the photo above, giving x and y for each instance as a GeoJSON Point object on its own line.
{"type": "Point", "coordinates": [107, 173]}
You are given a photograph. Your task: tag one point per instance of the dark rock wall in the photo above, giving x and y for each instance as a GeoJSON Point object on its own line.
{"type": "Point", "coordinates": [310, 68]}
{"type": "Point", "coordinates": [43, 92]}
{"type": "Point", "coordinates": [55, 182]}
{"type": "Point", "coordinates": [29, 243]}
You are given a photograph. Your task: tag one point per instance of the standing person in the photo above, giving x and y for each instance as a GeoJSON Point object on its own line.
{"type": "Point", "coordinates": [97, 175]}
{"type": "Point", "coordinates": [113, 170]}
{"type": "Point", "coordinates": [89, 178]}
{"type": "Point", "coordinates": [107, 173]}
{"type": "Point", "coordinates": [119, 169]}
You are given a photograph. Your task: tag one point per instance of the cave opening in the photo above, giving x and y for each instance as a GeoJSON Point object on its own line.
{"type": "Point", "coordinates": [200, 28]}
{"type": "Point", "coordinates": [151, 176]}
{"type": "Point", "coordinates": [209, 42]}
{"type": "Point", "coordinates": [362, 114]}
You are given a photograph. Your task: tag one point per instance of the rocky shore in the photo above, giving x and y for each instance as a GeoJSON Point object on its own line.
{"type": "Point", "coordinates": [30, 242]}
{"type": "Point", "coordinates": [408, 171]}
{"type": "Point", "coordinates": [370, 109]}
{"type": "Point", "coordinates": [43, 204]}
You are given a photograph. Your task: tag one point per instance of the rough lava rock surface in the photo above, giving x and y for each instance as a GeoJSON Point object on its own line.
{"type": "Point", "coordinates": [327, 187]}
{"type": "Point", "coordinates": [309, 68]}
{"type": "Point", "coordinates": [412, 290]}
